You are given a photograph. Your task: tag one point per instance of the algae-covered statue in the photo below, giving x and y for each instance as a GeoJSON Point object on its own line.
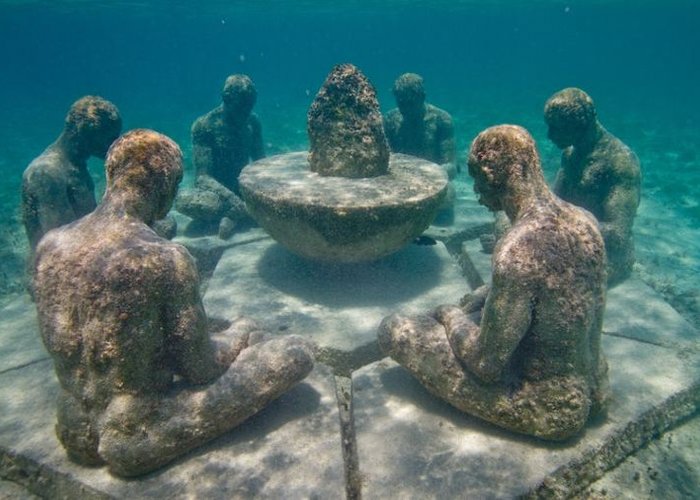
{"type": "Point", "coordinates": [348, 199]}
{"type": "Point", "coordinates": [141, 380]}
{"type": "Point", "coordinates": [56, 186]}
{"type": "Point", "coordinates": [223, 142]}
{"type": "Point", "coordinates": [418, 128]}
{"type": "Point", "coordinates": [598, 172]}
{"type": "Point", "coordinates": [525, 353]}
{"type": "Point", "coordinates": [421, 129]}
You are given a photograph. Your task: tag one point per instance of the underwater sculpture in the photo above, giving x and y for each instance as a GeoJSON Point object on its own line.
{"type": "Point", "coordinates": [349, 199]}
{"type": "Point", "coordinates": [420, 129]}
{"type": "Point", "coordinates": [598, 172]}
{"type": "Point", "coordinates": [56, 186]}
{"type": "Point", "coordinates": [121, 315]}
{"type": "Point", "coordinates": [525, 353]}
{"type": "Point", "coordinates": [223, 142]}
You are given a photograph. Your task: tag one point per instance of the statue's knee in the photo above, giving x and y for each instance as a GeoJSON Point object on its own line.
{"type": "Point", "coordinates": [564, 418]}
{"type": "Point", "coordinates": [77, 433]}
{"type": "Point", "coordinates": [125, 449]}
{"type": "Point", "coordinates": [386, 332]}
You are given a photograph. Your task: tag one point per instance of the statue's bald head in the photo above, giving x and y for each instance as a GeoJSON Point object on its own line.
{"type": "Point", "coordinates": [147, 164]}
{"type": "Point", "coordinates": [239, 95]}
{"type": "Point", "coordinates": [95, 123]}
{"type": "Point", "coordinates": [409, 93]}
{"type": "Point", "coordinates": [501, 159]}
{"type": "Point", "coordinates": [570, 115]}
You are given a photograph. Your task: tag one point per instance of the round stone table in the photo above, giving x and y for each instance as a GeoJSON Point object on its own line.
{"type": "Point", "coordinates": [340, 219]}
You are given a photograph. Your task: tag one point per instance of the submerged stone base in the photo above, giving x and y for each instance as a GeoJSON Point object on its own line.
{"type": "Point", "coordinates": [337, 306]}
{"type": "Point", "coordinates": [360, 425]}
{"type": "Point", "coordinates": [339, 219]}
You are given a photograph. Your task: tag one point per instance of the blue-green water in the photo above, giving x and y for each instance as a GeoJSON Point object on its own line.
{"type": "Point", "coordinates": [164, 63]}
{"type": "Point", "coordinates": [486, 62]}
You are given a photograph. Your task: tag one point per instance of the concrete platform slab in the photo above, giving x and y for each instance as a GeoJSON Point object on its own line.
{"type": "Point", "coordinates": [338, 306]}
{"type": "Point", "coordinates": [413, 445]}
{"type": "Point", "coordinates": [20, 342]}
{"type": "Point", "coordinates": [291, 449]}
{"type": "Point", "coordinates": [635, 310]}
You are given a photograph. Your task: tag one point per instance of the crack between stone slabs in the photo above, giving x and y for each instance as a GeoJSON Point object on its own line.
{"type": "Point", "coordinates": [24, 365]}
{"type": "Point", "coordinates": [683, 350]}
{"type": "Point", "coordinates": [572, 478]}
{"type": "Point", "coordinates": [672, 299]}
{"type": "Point", "coordinates": [454, 241]}
{"type": "Point", "coordinates": [643, 341]}
{"type": "Point", "coordinates": [468, 268]}
{"type": "Point", "coordinates": [351, 462]}
{"type": "Point", "coordinates": [455, 247]}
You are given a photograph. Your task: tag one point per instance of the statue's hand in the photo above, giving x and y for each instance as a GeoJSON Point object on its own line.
{"type": "Point", "coordinates": [242, 332]}
{"type": "Point", "coordinates": [474, 302]}
{"type": "Point", "coordinates": [460, 330]}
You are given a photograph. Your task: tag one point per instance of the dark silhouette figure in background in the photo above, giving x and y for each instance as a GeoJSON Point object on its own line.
{"type": "Point", "coordinates": [598, 172]}
{"type": "Point", "coordinates": [223, 142]}
{"type": "Point", "coordinates": [420, 129]}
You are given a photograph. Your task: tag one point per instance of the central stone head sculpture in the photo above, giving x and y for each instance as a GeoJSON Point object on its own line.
{"type": "Point", "coordinates": [348, 199]}
{"type": "Point", "coordinates": [345, 128]}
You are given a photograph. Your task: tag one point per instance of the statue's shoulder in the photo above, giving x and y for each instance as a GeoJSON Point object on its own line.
{"type": "Point", "coordinates": [439, 114]}
{"type": "Point", "coordinates": [392, 116]}
{"type": "Point", "coordinates": [617, 159]}
{"type": "Point", "coordinates": [205, 123]}
{"type": "Point", "coordinates": [44, 171]}
{"type": "Point", "coordinates": [516, 252]}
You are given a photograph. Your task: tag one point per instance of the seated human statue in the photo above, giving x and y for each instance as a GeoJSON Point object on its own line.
{"type": "Point", "coordinates": [598, 172]}
{"type": "Point", "coordinates": [420, 129]}
{"type": "Point", "coordinates": [523, 353]}
{"type": "Point", "coordinates": [223, 142]}
{"type": "Point", "coordinates": [142, 380]}
{"type": "Point", "coordinates": [56, 186]}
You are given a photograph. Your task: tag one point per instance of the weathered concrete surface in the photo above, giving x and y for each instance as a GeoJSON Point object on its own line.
{"type": "Point", "coordinates": [20, 343]}
{"type": "Point", "coordinates": [634, 310]}
{"type": "Point", "coordinates": [340, 219]}
{"type": "Point", "coordinates": [10, 490]}
{"type": "Point", "coordinates": [338, 306]}
{"type": "Point", "coordinates": [471, 219]}
{"type": "Point", "coordinates": [666, 468]}
{"type": "Point", "coordinates": [290, 449]}
{"type": "Point", "coordinates": [412, 445]}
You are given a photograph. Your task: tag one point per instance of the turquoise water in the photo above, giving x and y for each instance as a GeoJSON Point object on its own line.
{"type": "Point", "coordinates": [486, 62]}
{"type": "Point", "coordinates": [164, 63]}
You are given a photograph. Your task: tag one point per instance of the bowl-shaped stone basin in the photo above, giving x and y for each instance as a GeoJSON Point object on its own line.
{"type": "Point", "coordinates": [338, 219]}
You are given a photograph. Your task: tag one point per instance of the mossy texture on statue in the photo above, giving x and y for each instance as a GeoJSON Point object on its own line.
{"type": "Point", "coordinates": [598, 172]}
{"type": "Point", "coordinates": [346, 134]}
{"type": "Point", "coordinates": [348, 200]}
{"type": "Point", "coordinates": [142, 379]}
{"type": "Point", "coordinates": [523, 353]}
{"type": "Point", "coordinates": [339, 219]}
